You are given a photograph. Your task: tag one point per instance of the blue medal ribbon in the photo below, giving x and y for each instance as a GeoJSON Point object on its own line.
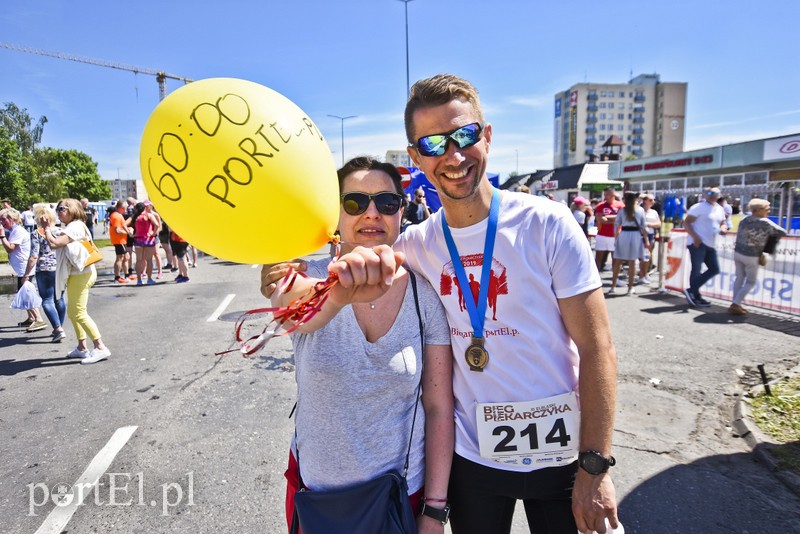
{"type": "Point", "coordinates": [476, 310]}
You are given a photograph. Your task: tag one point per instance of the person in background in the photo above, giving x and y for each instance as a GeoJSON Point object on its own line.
{"type": "Point", "coordinates": [582, 212]}
{"type": "Point", "coordinates": [723, 201]}
{"type": "Point", "coordinates": [145, 232]}
{"type": "Point", "coordinates": [653, 223]}
{"type": "Point", "coordinates": [17, 243]}
{"type": "Point", "coordinates": [417, 210]}
{"type": "Point", "coordinates": [76, 282]}
{"type": "Point", "coordinates": [129, 213]}
{"type": "Point", "coordinates": [524, 189]}
{"type": "Point", "coordinates": [179, 246]}
{"type": "Point", "coordinates": [632, 239]}
{"type": "Point", "coordinates": [118, 234]}
{"type": "Point", "coordinates": [704, 222]}
{"type": "Point", "coordinates": [91, 215]}
{"type": "Point", "coordinates": [54, 308]}
{"type": "Point", "coordinates": [6, 204]}
{"type": "Point", "coordinates": [163, 238]}
{"type": "Point", "coordinates": [29, 220]}
{"type": "Point", "coordinates": [605, 213]}
{"type": "Point", "coordinates": [752, 236]}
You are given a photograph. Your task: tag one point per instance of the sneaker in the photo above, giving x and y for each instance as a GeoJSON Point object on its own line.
{"type": "Point", "coordinates": [194, 264]}
{"type": "Point", "coordinates": [121, 280]}
{"type": "Point", "coordinates": [158, 276]}
{"type": "Point", "coordinates": [78, 353]}
{"type": "Point", "coordinates": [26, 323]}
{"type": "Point", "coordinates": [611, 291]}
{"type": "Point", "coordinates": [139, 282]}
{"type": "Point", "coordinates": [181, 279]}
{"type": "Point", "coordinates": [623, 276]}
{"type": "Point", "coordinates": [173, 269]}
{"type": "Point", "coordinates": [150, 282]}
{"type": "Point", "coordinates": [38, 325]}
{"type": "Point", "coordinates": [132, 277]}
{"type": "Point", "coordinates": [622, 283]}
{"type": "Point", "coordinates": [58, 336]}
{"type": "Point", "coordinates": [95, 356]}
{"type": "Point", "coordinates": [736, 309]}
{"type": "Point", "coordinates": [645, 280]}
{"type": "Point", "coordinates": [700, 302]}
{"type": "Point", "coordinates": [631, 291]}
{"type": "Point", "coordinates": [167, 266]}
{"type": "Point", "coordinates": [691, 298]}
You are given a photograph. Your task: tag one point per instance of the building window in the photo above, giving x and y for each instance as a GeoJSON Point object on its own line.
{"type": "Point", "coordinates": [603, 105]}
{"type": "Point", "coordinates": [622, 94]}
{"type": "Point", "coordinates": [602, 116]}
{"type": "Point", "coordinates": [621, 116]}
{"type": "Point", "coordinates": [629, 138]}
{"type": "Point", "coordinates": [621, 105]}
{"type": "Point", "coordinates": [602, 137]}
{"type": "Point", "coordinates": [620, 127]}
{"type": "Point", "coordinates": [630, 127]}
{"type": "Point", "coordinates": [602, 93]}
{"type": "Point", "coordinates": [602, 126]}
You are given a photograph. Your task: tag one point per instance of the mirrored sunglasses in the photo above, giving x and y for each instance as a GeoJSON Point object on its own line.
{"type": "Point", "coordinates": [386, 203]}
{"type": "Point", "coordinates": [436, 144]}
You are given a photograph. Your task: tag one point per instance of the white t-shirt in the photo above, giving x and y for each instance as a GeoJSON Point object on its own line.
{"type": "Point", "coordinates": [651, 217]}
{"type": "Point", "coordinates": [18, 258]}
{"type": "Point", "coordinates": [579, 216]}
{"type": "Point", "coordinates": [707, 225]}
{"type": "Point", "coordinates": [28, 218]}
{"type": "Point", "coordinates": [540, 255]}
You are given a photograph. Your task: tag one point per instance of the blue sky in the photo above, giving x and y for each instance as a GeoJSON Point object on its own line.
{"type": "Point", "coordinates": [347, 57]}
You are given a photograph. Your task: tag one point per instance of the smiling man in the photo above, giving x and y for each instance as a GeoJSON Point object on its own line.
{"type": "Point", "coordinates": [547, 355]}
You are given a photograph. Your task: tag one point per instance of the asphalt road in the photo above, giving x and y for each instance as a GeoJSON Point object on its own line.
{"type": "Point", "coordinates": [211, 432]}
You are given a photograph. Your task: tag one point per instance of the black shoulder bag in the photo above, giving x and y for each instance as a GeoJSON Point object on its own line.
{"type": "Point", "coordinates": [377, 506]}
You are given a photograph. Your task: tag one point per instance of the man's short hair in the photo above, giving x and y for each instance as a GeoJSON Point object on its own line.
{"type": "Point", "coordinates": [436, 91]}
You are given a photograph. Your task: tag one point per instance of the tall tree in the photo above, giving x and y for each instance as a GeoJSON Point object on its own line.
{"type": "Point", "coordinates": [77, 172]}
{"type": "Point", "coordinates": [20, 127]}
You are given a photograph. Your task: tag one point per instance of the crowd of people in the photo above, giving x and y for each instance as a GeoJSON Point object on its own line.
{"type": "Point", "coordinates": [40, 245]}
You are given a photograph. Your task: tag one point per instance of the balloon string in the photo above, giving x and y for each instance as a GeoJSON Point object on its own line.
{"type": "Point", "coordinates": [297, 313]}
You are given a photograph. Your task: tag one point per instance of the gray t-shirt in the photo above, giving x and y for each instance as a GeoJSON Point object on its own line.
{"type": "Point", "coordinates": [355, 399]}
{"type": "Point", "coordinates": [752, 234]}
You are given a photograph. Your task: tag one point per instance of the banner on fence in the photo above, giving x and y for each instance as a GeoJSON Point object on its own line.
{"type": "Point", "coordinates": [778, 286]}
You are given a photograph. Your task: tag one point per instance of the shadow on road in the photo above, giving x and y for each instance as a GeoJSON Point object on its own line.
{"type": "Point", "coordinates": [14, 367]}
{"type": "Point", "coordinates": [668, 303]}
{"type": "Point", "coordinates": [707, 496]}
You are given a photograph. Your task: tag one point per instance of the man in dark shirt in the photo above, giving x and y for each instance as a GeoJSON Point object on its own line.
{"type": "Point", "coordinates": [417, 210]}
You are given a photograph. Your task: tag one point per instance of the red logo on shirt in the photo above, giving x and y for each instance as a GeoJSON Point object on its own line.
{"type": "Point", "coordinates": [497, 282]}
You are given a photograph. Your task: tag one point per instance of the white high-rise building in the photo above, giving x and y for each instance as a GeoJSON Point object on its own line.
{"type": "Point", "coordinates": [646, 114]}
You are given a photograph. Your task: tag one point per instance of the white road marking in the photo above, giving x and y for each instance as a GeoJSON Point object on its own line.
{"type": "Point", "coordinates": [60, 516]}
{"type": "Point", "coordinates": [221, 308]}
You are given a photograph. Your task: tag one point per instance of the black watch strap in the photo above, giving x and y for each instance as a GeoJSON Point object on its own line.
{"type": "Point", "coordinates": [439, 514]}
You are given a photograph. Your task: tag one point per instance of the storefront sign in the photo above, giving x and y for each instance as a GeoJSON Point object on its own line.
{"type": "Point", "coordinates": [782, 148]}
{"type": "Point", "coordinates": [688, 162]}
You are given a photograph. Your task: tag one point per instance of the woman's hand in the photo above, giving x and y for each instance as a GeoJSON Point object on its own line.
{"type": "Point", "coordinates": [365, 274]}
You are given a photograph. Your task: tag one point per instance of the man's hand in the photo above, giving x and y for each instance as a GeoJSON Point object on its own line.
{"type": "Point", "coordinates": [594, 500]}
{"type": "Point", "coordinates": [271, 273]}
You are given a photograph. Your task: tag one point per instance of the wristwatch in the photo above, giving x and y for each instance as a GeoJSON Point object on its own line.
{"type": "Point", "coordinates": [595, 463]}
{"type": "Point", "coordinates": [439, 514]}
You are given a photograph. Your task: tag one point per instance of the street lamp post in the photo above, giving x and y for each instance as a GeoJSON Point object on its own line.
{"type": "Point", "coordinates": [408, 78]}
{"type": "Point", "coordinates": [343, 119]}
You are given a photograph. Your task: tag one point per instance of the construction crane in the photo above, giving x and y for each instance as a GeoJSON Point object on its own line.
{"type": "Point", "coordinates": [161, 76]}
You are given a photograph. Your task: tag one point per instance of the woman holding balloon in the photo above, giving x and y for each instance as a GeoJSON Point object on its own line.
{"type": "Point", "coordinates": [358, 362]}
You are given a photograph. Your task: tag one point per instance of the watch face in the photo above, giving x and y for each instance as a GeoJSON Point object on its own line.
{"type": "Point", "coordinates": [593, 463]}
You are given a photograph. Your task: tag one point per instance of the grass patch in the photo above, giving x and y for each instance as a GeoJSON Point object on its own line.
{"type": "Point", "coordinates": [779, 417]}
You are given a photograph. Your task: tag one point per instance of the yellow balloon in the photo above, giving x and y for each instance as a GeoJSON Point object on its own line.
{"type": "Point", "coordinates": [240, 171]}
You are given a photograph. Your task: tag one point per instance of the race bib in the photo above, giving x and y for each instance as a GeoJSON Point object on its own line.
{"type": "Point", "coordinates": [540, 433]}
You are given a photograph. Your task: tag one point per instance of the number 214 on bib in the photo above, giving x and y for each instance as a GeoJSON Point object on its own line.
{"type": "Point", "coordinates": [543, 432]}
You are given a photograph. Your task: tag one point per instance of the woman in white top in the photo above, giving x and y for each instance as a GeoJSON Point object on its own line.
{"type": "Point", "coordinates": [76, 282]}
{"type": "Point", "coordinates": [652, 222]}
{"type": "Point", "coordinates": [631, 236]}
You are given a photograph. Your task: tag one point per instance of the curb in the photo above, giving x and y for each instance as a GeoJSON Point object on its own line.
{"type": "Point", "coordinates": [759, 442]}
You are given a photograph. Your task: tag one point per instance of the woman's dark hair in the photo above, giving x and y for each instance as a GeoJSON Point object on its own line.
{"type": "Point", "coordinates": [630, 205]}
{"type": "Point", "coordinates": [138, 209]}
{"type": "Point", "coordinates": [368, 163]}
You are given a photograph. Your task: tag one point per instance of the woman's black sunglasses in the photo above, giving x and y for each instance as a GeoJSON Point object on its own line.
{"type": "Point", "coordinates": [357, 203]}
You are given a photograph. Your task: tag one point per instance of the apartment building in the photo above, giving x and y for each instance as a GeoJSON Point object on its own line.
{"type": "Point", "coordinates": [648, 115]}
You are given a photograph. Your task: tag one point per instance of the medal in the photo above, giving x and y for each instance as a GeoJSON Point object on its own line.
{"type": "Point", "coordinates": [477, 356]}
